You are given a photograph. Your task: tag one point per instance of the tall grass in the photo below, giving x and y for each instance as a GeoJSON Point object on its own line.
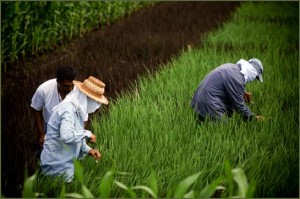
{"type": "Point", "coordinates": [154, 129]}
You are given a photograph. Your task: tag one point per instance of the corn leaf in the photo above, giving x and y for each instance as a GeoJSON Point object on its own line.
{"type": "Point", "coordinates": [152, 180]}
{"type": "Point", "coordinates": [210, 189]}
{"type": "Point", "coordinates": [146, 189]}
{"type": "Point", "coordinates": [241, 179]}
{"type": "Point", "coordinates": [106, 184]}
{"type": "Point", "coordinates": [131, 193]}
{"type": "Point", "coordinates": [28, 187]}
{"type": "Point", "coordinates": [86, 192]}
{"type": "Point", "coordinates": [184, 185]}
{"type": "Point", "coordinates": [190, 194]}
{"type": "Point", "coordinates": [74, 195]}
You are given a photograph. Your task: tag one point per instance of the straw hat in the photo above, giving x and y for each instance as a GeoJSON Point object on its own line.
{"type": "Point", "coordinates": [92, 87]}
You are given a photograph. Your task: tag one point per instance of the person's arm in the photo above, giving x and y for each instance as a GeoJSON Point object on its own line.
{"type": "Point", "coordinates": [87, 124]}
{"type": "Point", "coordinates": [39, 122]}
{"type": "Point", "coordinates": [86, 149]}
{"type": "Point", "coordinates": [68, 133]}
{"type": "Point", "coordinates": [236, 91]}
{"type": "Point", "coordinates": [37, 104]}
{"type": "Point", "coordinates": [247, 97]}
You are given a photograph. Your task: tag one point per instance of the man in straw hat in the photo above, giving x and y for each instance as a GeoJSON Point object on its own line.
{"type": "Point", "coordinates": [66, 137]}
{"type": "Point", "coordinates": [223, 90]}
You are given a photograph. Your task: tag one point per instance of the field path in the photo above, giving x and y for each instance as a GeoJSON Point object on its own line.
{"type": "Point", "coordinates": [117, 54]}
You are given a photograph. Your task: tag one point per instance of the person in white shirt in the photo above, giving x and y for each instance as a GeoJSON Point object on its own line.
{"type": "Point", "coordinates": [48, 95]}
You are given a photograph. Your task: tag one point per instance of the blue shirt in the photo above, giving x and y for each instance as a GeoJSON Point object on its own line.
{"type": "Point", "coordinates": [65, 140]}
{"type": "Point", "coordinates": [221, 92]}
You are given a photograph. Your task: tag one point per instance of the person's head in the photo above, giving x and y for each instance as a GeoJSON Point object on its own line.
{"type": "Point", "coordinates": [256, 63]}
{"type": "Point", "coordinates": [64, 77]}
{"type": "Point", "coordinates": [93, 88]}
{"type": "Point", "coordinates": [87, 96]}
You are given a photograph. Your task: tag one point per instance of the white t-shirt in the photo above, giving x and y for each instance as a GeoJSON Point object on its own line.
{"type": "Point", "coordinates": [45, 98]}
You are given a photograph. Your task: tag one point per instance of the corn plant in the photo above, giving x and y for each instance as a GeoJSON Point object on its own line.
{"type": "Point", "coordinates": [181, 190]}
{"type": "Point", "coordinates": [29, 28]}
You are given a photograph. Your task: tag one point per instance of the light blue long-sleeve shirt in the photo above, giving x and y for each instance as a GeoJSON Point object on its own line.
{"type": "Point", "coordinates": [65, 140]}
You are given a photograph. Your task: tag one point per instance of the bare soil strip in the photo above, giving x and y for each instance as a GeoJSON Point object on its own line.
{"type": "Point", "coordinates": [116, 54]}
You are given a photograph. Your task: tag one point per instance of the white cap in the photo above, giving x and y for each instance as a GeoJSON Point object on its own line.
{"type": "Point", "coordinates": [258, 66]}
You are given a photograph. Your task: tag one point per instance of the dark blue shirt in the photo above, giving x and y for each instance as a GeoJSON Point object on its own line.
{"type": "Point", "coordinates": [221, 91]}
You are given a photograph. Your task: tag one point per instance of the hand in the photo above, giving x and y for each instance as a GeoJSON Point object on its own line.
{"type": "Point", "coordinates": [92, 139]}
{"type": "Point", "coordinates": [247, 97]}
{"type": "Point", "coordinates": [41, 140]}
{"type": "Point", "coordinates": [259, 118]}
{"type": "Point", "coordinates": [95, 154]}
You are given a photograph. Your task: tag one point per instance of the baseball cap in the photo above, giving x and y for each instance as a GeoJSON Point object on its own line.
{"type": "Point", "coordinates": [256, 63]}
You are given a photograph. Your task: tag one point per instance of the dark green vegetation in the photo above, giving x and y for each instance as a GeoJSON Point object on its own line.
{"type": "Point", "coordinates": [29, 28]}
{"type": "Point", "coordinates": [234, 184]}
{"type": "Point", "coordinates": [154, 129]}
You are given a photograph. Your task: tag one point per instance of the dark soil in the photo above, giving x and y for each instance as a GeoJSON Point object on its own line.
{"type": "Point", "coordinates": [117, 54]}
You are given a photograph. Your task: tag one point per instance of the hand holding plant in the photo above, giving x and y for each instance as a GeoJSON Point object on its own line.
{"type": "Point", "coordinates": [95, 154]}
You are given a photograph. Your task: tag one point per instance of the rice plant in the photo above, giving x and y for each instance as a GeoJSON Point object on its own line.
{"type": "Point", "coordinates": [154, 130]}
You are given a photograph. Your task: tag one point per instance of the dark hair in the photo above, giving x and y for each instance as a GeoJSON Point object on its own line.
{"type": "Point", "coordinates": [65, 73]}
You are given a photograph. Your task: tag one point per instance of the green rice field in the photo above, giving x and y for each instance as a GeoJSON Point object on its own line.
{"type": "Point", "coordinates": [152, 131]}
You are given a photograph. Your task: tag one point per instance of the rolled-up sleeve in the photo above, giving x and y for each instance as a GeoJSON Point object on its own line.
{"type": "Point", "coordinates": [84, 149]}
{"type": "Point", "coordinates": [235, 91]}
{"type": "Point", "coordinates": [68, 133]}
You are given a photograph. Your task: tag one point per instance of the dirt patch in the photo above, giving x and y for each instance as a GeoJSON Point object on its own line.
{"type": "Point", "coordinates": [116, 54]}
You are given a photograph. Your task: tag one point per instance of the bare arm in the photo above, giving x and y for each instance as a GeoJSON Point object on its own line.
{"type": "Point", "coordinates": [235, 91]}
{"type": "Point", "coordinates": [39, 122]}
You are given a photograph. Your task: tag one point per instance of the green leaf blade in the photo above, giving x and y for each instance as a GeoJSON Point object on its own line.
{"type": "Point", "coordinates": [106, 184]}
{"type": "Point", "coordinates": [28, 187]}
{"type": "Point", "coordinates": [184, 185]}
{"type": "Point", "coordinates": [241, 179]}
{"type": "Point", "coordinates": [146, 189]}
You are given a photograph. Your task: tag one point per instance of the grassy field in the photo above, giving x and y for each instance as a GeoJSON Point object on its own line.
{"type": "Point", "coordinates": [153, 128]}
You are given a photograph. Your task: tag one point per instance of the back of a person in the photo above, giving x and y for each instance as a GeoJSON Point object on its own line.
{"type": "Point", "coordinates": [66, 137]}
{"type": "Point", "coordinates": [51, 97]}
{"type": "Point", "coordinates": [58, 156]}
{"type": "Point", "coordinates": [211, 96]}
{"type": "Point", "coordinates": [222, 91]}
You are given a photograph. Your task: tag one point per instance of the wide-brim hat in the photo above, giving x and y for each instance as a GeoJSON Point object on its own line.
{"type": "Point", "coordinates": [93, 88]}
